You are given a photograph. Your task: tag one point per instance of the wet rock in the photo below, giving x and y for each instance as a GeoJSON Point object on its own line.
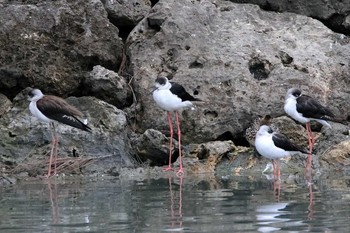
{"type": "Point", "coordinates": [54, 44]}
{"type": "Point", "coordinates": [108, 86]}
{"type": "Point", "coordinates": [5, 104]}
{"type": "Point", "coordinates": [204, 157]}
{"type": "Point", "coordinates": [26, 139]}
{"type": "Point", "coordinates": [153, 146]}
{"type": "Point", "coordinates": [238, 79]}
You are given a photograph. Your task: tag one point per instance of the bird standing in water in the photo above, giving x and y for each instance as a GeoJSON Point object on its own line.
{"type": "Point", "coordinates": [172, 97]}
{"type": "Point", "coordinates": [49, 108]}
{"type": "Point", "coordinates": [304, 109]}
{"type": "Point", "coordinates": [274, 146]}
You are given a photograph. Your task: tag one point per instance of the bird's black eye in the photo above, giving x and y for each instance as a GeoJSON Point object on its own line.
{"type": "Point", "coordinates": [161, 80]}
{"type": "Point", "coordinates": [296, 93]}
{"type": "Point", "coordinates": [270, 130]}
{"type": "Point", "coordinates": [30, 94]}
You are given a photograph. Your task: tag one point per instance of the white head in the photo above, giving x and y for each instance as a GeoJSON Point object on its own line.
{"type": "Point", "coordinates": [293, 93]}
{"type": "Point", "coordinates": [264, 130]}
{"type": "Point", "coordinates": [35, 95]}
{"type": "Point", "coordinates": [162, 83]}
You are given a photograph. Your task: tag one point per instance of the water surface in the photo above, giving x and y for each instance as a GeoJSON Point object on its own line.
{"type": "Point", "coordinates": [171, 204]}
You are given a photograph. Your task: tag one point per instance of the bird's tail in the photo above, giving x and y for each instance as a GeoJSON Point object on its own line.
{"type": "Point", "coordinates": [303, 150]}
{"type": "Point", "coordinates": [85, 127]}
{"type": "Point", "coordinates": [79, 124]}
{"type": "Point", "coordinates": [336, 119]}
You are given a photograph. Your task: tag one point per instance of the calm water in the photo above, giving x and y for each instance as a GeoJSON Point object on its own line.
{"type": "Point", "coordinates": [215, 204]}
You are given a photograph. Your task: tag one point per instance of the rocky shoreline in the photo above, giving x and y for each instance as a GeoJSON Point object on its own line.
{"type": "Point", "coordinates": [103, 56]}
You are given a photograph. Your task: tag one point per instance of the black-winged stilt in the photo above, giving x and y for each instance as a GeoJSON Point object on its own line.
{"type": "Point", "coordinates": [303, 109]}
{"type": "Point", "coordinates": [49, 108]}
{"type": "Point", "coordinates": [274, 146]}
{"type": "Point", "coordinates": [172, 97]}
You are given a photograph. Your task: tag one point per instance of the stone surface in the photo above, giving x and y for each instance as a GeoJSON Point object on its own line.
{"type": "Point", "coordinates": [108, 86]}
{"type": "Point", "coordinates": [237, 58]}
{"type": "Point", "coordinates": [205, 157]}
{"type": "Point", "coordinates": [126, 13]}
{"type": "Point", "coordinates": [334, 13]}
{"type": "Point", "coordinates": [54, 44]}
{"type": "Point", "coordinates": [337, 156]}
{"type": "Point", "coordinates": [24, 138]}
{"type": "Point", "coordinates": [5, 104]}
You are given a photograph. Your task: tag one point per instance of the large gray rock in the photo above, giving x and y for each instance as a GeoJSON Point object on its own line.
{"type": "Point", "coordinates": [24, 138]}
{"type": "Point", "coordinates": [50, 44]}
{"type": "Point", "coordinates": [334, 13]}
{"type": "Point", "coordinates": [239, 59]}
{"type": "Point", "coordinates": [108, 86]}
{"type": "Point", "coordinates": [127, 13]}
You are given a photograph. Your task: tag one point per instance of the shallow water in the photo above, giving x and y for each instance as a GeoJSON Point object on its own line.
{"type": "Point", "coordinates": [190, 204]}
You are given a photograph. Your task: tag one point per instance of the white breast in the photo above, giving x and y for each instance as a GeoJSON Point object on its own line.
{"type": "Point", "coordinates": [168, 101]}
{"type": "Point", "coordinates": [265, 146]}
{"type": "Point", "coordinates": [290, 108]}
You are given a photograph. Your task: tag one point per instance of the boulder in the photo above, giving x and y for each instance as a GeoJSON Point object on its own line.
{"type": "Point", "coordinates": [127, 13]}
{"type": "Point", "coordinates": [108, 86]}
{"type": "Point", "coordinates": [50, 44]}
{"type": "Point", "coordinates": [334, 13]}
{"type": "Point", "coordinates": [205, 157]}
{"type": "Point", "coordinates": [337, 156]}
{"type": "Point", "coordinates": [237, 58]}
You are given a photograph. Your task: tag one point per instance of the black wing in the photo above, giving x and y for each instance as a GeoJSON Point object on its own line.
{"type": "Point", "coordinates": [70, 120]}
{"type": "Point", "coordinates": [311, 108]}
{"type": "Point", "coordinates": [180, 91]}
{"type": "Point", "coordinates": [54, 112]}
{"type": "Point", "coordinates": [284, 143]}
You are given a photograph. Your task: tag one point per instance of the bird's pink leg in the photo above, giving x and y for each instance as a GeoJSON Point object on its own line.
{"type": "Point", "coordinates": [311, 144]}
{"type": "Point", "coordinates": [311, 137]}
{"type": "Point", "coordinates": [171, 143]}
{"type": "Point", "coordinates": [52, 150]}
{"type": "Point", "coordinates": [53, 146]}
{"type": "Point", "coordinates": [180, 172]}
{"type": "Point", "coordinates": [279, 170]}
{"type": "Point", "coordinates": [274, 169]}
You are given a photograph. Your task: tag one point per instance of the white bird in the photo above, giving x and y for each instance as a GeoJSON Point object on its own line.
{"type": "Point", "coordinates": [274, 146]}
{"type": "Point", "coordinates": [49, 108]}
{"type": "Point", "coordinates": [172, 97]}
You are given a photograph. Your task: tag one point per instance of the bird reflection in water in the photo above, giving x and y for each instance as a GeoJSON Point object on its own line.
{"type": "Point", "coordinates": [276, 183]}
{"type": "Point", "coordinates": [176, 219]}
{"type": "Point", "coordinates": [268, 216]}
{"type": "Point", "coordinates": [277, 190]}
{"type": "Point", "coordinates": [52, 188]}
{"type": "Point", "coordinates": [310, 207]}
